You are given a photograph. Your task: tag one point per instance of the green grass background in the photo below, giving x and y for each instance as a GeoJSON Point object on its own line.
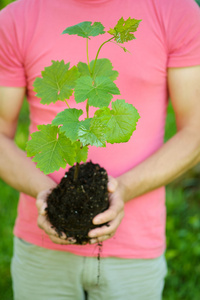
{"type": "Point", "coordinates": [183, 224]}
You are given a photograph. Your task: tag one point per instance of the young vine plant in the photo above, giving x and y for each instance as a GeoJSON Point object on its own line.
{"type": "Point", "coordinates": [66, 139]}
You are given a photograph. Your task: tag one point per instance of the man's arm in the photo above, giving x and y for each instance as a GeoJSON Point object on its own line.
{"type": "Point", "coordinates": [182, 151]}
{"type": "Point", "coordinates": [175, 157]}
{"type": "Point", "coordinates": [16, 168]}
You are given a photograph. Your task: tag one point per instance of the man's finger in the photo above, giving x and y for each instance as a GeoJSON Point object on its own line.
{"type": "Point", "coordinates": [60, 241]}
{"type": "Point", "coordinates": [107, 230]}
{"type": "Point", "coordinates": [112, 184]}
{"type": "Point", "coordinates": [41, 206]}
{"type": "Point", "coordinates": [47, 227]}
{"type": "Point", "coordinates": [109, 214]}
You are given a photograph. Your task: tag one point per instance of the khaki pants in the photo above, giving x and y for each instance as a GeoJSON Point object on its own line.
{"type": "Point", "coordinates": [42, 274]}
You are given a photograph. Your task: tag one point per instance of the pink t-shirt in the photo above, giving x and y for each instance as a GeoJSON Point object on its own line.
{"type": "Point", "coordinates": [168, 36]}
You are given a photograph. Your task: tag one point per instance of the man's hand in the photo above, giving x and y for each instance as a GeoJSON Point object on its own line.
{"type": "Point", "coordinates": [113, 215]}
{"type": "Point", "coordinates": [45, 225]}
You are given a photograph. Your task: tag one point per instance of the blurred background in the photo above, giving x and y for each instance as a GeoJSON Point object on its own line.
{"type": "Point", "coordinates": [183, 223]}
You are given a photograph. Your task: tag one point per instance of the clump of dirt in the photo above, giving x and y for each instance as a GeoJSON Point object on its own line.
{"type": "Point", "coordinates": [72, 205]}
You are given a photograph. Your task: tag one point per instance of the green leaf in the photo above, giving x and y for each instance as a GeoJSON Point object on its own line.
{"type": "Point", "coordinates": [81, 152]}
{"type": "Point", "coordinates": [85, 29]}
{"type": "Point", "coordinates": [57, 82]}
{"type": "Point", "coordinates": [123, 31]}
{"type": "Point", "coordinates": [98, 92]}
{"type": "Point", "coordinates": [120, 121]}
{"type": "Point", "coordinates": [92, 134]}
{"type": "Point", "coordinates": [86, 123]}
{"type": "Point", "coordinates": [69, 119]}
{"type": "Point", "coordinates": [103, 67]}
{"type": "Point", "coordinates": [83, 69]}
{"type": "Point", "coordinates": [52, 149]}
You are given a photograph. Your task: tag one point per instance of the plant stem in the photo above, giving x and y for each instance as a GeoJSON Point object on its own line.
{"type": "Point", "coordinates": [88, 61]}
{"type": "Point", "coordinates": [87, 109]}
{"type": "Point", "coordinates": [125, 50]}
{"type": "Point", "coordinates": [76, 171]}
{"type": "Point", "coordinates": [67, 103]}
{"type": "Point", "coordinates": [99, 51]}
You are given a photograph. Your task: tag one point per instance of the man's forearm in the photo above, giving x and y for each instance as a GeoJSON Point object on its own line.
{"type": "Point", "coordinates": [19, 171]}
{"type": "Point", "coordinates": [174, 158]}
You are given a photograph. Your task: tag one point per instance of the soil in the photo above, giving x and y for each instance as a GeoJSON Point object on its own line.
{"type": "Point", "coordinates": [72, 205]}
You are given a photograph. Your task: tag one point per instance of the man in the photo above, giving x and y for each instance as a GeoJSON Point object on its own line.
{"type": "Point", "coordinates": [165, 59]}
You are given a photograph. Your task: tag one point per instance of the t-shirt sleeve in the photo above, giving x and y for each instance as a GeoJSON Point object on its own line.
{"type": "Point", "coordinates": [183, 33]}
{"type": "Point", "coordinates": [12, 71]}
